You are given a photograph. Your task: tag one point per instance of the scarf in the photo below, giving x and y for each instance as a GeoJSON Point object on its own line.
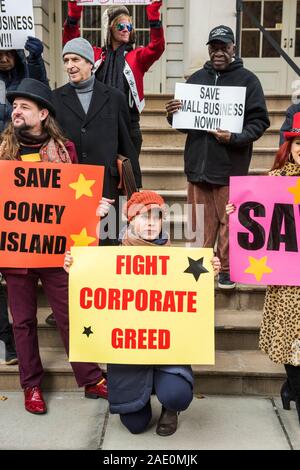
{"type": "Point", "coordinates": [51, 151]}
{"type": "Point", "coordinates": [289, 169]}
{"type": "Point", "coordinates": [112, 71]}
{"type": "Point", "coordinates": [24, 137]}
{"type": "Point", "coordinates": [129, 238]}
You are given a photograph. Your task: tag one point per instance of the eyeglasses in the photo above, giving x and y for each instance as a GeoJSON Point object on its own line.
{"type": "Point", "coordinates": [122, 26]}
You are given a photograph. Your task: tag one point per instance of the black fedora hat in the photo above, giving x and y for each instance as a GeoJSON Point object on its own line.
{"type": "Point", "coordinates": [35, 91]}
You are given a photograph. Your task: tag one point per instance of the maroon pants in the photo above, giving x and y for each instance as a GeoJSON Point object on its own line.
{"type": "Point", "coordinates": [216, 223]}
{"type": "Point", "coordinates": [22, 297]}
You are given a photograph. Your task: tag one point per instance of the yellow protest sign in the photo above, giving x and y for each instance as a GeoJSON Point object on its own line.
{"type": "Point", "coordinates": [142, 305]}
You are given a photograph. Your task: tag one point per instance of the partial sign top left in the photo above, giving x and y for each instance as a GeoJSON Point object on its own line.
{"type": "Point", "coordinates": [16, 23]}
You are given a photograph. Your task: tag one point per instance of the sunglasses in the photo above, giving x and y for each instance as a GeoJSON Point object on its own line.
{"type": "Point", "coordinates": [122, 26]}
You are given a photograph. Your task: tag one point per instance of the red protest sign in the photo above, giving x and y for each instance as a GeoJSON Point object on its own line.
{"type": "Point", "coordinates": [45, 209]}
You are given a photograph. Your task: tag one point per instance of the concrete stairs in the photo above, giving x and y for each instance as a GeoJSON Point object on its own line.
{"type": "Point", "coordinates": [163, 148]}
{"type": "Point", "coordinates": [240, 367]}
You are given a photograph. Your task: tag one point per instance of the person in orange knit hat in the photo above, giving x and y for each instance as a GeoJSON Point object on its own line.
{"type": "Point", "coordinates": [130, 386]}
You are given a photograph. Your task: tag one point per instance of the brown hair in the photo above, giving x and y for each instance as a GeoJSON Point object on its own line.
{"type": "Point", "coordinates": [9, 142]}
{"type": "Point", "coordinates": [132, 36]}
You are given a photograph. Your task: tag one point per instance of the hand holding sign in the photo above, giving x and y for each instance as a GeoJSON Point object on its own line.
{"type": "Point", "coordinates": [223, 137]}
{"type": "Point", "coordinates": [34, 46]}
{"type": "Point", "coordinates": [16, 23]}
{"type": "Point", "coordinates": [173, 106]}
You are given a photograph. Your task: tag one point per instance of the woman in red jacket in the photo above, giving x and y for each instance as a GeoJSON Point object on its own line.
{"type": "Point", "coordinates": [118, 63]}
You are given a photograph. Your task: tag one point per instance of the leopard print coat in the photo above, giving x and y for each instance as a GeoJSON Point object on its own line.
{"type": "Point", "coordinates": [280, 328]}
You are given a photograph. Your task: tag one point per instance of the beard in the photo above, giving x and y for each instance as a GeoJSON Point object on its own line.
{"type": "Point", "coordinates": [24, 135]}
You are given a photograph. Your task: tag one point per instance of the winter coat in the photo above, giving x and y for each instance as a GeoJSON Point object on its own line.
{"type": "Point", "coordinates": [280, 328]}
{"type": "Point", "coordinates": [138, 61]}
{"type": "Point", "coordinates": [130, 386]}
{"type": "Point", "coordinates": [100, 134]}
{"type": "Point", "coordinates": [207, 160]}
{"type": "Point", "coordinates": [25, 68]}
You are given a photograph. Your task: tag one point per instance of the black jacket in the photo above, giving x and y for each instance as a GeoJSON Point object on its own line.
{"type": "Point", "coordinates": [100, 134]}
{"type": "Point", "coordinates": [206, 160]}
{"type": "Point", "coordinates": [30, 67]}
{"type": "Point", "coordinates": [288, 123]}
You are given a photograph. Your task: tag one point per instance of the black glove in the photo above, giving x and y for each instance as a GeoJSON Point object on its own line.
{"type": "Point", "coordinates": [34, 46]}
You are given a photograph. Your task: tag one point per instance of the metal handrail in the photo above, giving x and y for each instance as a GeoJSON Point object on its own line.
{"type": "Point", "coordinates": [240, 9]}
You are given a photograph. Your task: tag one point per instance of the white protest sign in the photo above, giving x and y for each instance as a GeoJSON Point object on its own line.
{"type": "Point", "coordinates": [208, 108]}
{"type": "Point", "coordinates": [113, 2]}
{"type": "Point", "coordinates": [16, 23]}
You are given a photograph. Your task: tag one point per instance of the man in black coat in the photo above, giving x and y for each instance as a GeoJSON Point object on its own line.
{"type": "Point", "coordinates": [94, 116]}
{"type": "Point", "coordinates": [212, 157]}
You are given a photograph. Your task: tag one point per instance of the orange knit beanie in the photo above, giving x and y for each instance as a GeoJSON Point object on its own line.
{"type": "Point", "coordinates": [142, 202]}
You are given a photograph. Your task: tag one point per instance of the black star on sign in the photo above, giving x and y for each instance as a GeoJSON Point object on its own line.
{"type": "Point", "coordinates": [196, 268]}
{"type": "Point", "coordinates": [88, 331]}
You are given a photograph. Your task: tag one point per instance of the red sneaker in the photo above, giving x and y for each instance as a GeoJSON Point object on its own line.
{"type": "Point", "coordinates": [98, 390]}
{"type": "Point", "coordinates": [34, 401]}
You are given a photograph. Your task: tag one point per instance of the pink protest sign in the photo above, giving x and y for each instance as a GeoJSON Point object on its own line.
{"type": "Point", "coordinates": [265, 230]}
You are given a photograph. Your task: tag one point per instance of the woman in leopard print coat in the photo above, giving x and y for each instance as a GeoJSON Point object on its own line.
{"type": "Point", "coordinates": [280, 328]}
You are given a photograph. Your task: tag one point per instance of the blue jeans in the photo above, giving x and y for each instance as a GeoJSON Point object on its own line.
{"type": "Point", "coordinates": [174, 393]}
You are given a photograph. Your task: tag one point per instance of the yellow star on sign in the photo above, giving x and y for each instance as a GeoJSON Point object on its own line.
{"type": "Point", "coordinates": [82, 239]}
{"type": "Point", "coordinates": [258, 267]}
{"type": "Point", "coordinates": [296, 191]}
{"type": "Point", "coordinates": [82, 187]}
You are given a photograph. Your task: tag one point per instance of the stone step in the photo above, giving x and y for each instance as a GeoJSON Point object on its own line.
{"type": "Point", "coordinates": [168, 137]}
{"type": "Point", "coordinates": [235, 330]}
{"type": "Point", "coordinates": [157, 118]}
{"type": "Point", "coordinates": [234, 373]}
{"type": "Point", "coordinates": [174, 157]}
{"type": "Point", "coordinates": [269, 139]}
{"type": "Point", "coordinates": [162, 137]}
{"type": "Point", "coordinates": [164, 178]}
{"type": "Point", "coordinates": [240, 373]}
{"type": "Point", "coordinates": [243, 298]}
{"type": "Point", "coordinates": [278, 102]}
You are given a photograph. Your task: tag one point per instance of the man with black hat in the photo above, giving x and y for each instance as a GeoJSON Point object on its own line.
{"type": "Point", "coordinates": [14, 67]}
{"type": "Point", "coordinates": [212, 157]}
{"type": "Point", "coordinates": [33, 135]}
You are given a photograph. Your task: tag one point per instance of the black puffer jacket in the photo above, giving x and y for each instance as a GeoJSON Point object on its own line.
{"type": "Point", "coordinates": [213, 162]}
{"type": "Point", "coordinates": [30, 67]}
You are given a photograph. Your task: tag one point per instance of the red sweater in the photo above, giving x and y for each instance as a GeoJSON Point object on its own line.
{"type": "Point", "coordinates": [138, 61]}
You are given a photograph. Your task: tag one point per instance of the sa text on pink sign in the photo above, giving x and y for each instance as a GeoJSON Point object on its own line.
{"type": "Point", "coordinates": [265, 230]}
